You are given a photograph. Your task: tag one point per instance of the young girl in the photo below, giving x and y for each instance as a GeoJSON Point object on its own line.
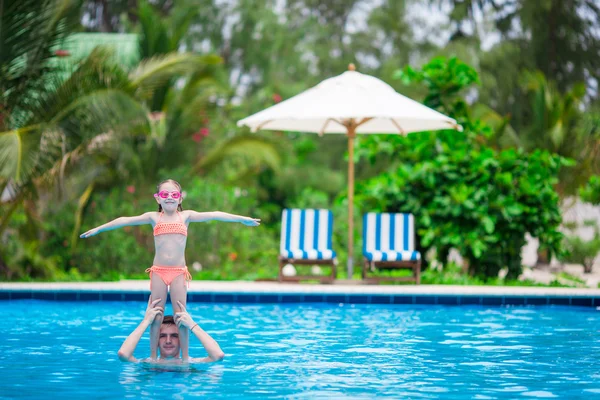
{"type": "Point", "coordinates": [169, 268]}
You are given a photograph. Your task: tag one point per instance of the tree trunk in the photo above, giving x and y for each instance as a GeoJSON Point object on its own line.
{"type": "Point", "coordinates": [543, 257]}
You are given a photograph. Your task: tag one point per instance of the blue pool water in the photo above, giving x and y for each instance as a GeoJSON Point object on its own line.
{"type": "Point", "coordinates": [304, 351]}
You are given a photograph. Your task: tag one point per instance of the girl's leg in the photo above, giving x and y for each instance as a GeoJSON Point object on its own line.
{"type": "Point", "coordinates": [179, 293]}
{"type": "Point", "coordinates": [159, 291]}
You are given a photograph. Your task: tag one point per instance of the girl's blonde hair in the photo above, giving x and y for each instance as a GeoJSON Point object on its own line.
{"type": "Point", "coordinates": [179, 208]}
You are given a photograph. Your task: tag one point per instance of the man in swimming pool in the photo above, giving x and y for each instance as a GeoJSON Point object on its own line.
{"type": "Point", "coordinates": [168, 341]}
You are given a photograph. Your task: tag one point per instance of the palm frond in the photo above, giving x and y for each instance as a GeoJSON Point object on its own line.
{"type": "Point", "coordinates": [83, 200]}
{"type": "Point", "coordinates": [20, 152]}
{"type": "Point", "coordinates": [96, 72]}
{"type": "Point", "coordinates": [28, 32]}
{"type": "Point", "coordinates": [184, 108]}
{"type": "Point", "coordinates": [504, 134]}
{"type": "Point", "coordinates": [154, 38]}
{"type": "Point", "coordinates": [181, 20]}
{"type": "Point", "coordinates": [30, 152]}
{"type": "Point", "coordinates": [155, 72]}
{"type": "Point", "coordinates": [100, 112]}
{"type": "Point", "coordinates": [252, 147]}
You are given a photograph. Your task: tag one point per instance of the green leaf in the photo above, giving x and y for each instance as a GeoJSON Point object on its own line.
{"type": "Point", "coordinates": [488, 224]}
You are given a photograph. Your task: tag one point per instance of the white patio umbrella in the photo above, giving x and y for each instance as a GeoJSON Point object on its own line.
{"type": "Point", "coordinates": [351, 103]}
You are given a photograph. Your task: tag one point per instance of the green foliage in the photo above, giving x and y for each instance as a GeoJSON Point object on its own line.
{"type": "Point", "coordinates": [591, 191]}
{"type": "Point", "coordinates": [566, 277]}
{"type": "Point", "coordinates": [310, 198]}
{"type": "Point", "coordinates": [107, 127]}
{"type": "Point", "coordinates": [444, 79]}
{"type": "Point", "coordinates": [228, 250]}
{"type": "Point", "coordinates": [30, 30]}
{"type": "Point", "coordinates": [463, 194]}
{"type": "Point", "coordinates": [554, 36]}
{"type": "Point", "coordinates": [581, 251]}
{"type": "Point", "coordinates": [534, 78]}
{"type": "Point", "coordinates": [225, 250]}
{"type": "Point", "coordinates": [452, 274]}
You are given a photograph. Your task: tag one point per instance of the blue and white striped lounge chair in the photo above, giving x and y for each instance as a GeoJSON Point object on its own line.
{"type": "Point", "coordinates": [306, 240]}
{"type": "Point", "coordinates": [389, 243]}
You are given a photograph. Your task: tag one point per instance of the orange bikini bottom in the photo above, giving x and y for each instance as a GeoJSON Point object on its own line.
{"type": "Point", "coordinates": [167, 274]}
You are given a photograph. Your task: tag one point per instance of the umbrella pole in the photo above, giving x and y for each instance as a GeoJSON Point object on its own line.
{"type": "Point", "coordinates": [351, 136]}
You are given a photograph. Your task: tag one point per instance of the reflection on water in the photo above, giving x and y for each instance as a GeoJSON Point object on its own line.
{"type": "Point", "coordinates": [307, 352]}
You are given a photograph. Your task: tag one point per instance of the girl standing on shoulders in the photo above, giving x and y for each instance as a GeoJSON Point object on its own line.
{"type": "Point", "coordinates": [169, 269]}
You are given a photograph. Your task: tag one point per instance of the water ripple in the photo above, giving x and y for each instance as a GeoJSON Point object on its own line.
{"type": "Point", "coordinates": [309, 352]}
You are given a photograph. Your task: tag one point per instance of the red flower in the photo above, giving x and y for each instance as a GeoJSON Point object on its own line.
{"type": "Point", "coordinates": [131, 189]}
{"type": "Point", "coordinates": [197, 137]}
{"type": "Point", "coordinates": [232, 256]}
{"type": "Point", "coordinates": [204, 132]}
{"type": "Point", "coordinates": [277, 97]}
{"type": "Point", "coordinates": [62, 53]}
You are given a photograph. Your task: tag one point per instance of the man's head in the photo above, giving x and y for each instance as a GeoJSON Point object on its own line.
{"type": "Point", "coordinates": [168, 339]}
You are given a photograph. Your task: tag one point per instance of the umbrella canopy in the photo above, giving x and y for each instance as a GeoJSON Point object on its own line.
{"type": "Point", "coordinates": [351, 103]}
{"type": "Point", "coordinates": [328, 107]}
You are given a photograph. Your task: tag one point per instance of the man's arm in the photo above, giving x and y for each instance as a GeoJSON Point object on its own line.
{"type": "Point", "coordinates": [128, 347]}
{"type": "Point", "coordinates": [118, 223]}
{"type": "Point", "coordinates": [210, 345]}
{"type": "Point", "coordinates": [195, 216]}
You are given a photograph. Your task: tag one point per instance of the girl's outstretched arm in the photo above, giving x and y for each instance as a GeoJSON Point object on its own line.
{"type": "Point", "coordinates": [195, 216]}
{"type": "Point", "coordinates": [118, 223]}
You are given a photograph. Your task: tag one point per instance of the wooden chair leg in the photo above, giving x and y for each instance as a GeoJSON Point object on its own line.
{"type": "Point", "coordinates": [280, 277]}
{"type": "Point", "coordinates": [322, 278]}
{"type": "Point", "coordinates": [333, 271]}
{"type": "Point", "coordinates": [418, 273]}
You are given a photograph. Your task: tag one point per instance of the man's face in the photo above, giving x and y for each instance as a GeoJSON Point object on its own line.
{"type": "Point", "coordinates": [168, 341]}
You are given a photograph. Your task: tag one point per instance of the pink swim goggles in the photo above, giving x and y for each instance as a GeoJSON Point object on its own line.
{"type": "Point", "coordinates": [164, 194]}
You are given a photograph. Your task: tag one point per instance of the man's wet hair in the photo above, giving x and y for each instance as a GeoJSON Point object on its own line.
{"type": "Point", "coordinates": [168, 320]}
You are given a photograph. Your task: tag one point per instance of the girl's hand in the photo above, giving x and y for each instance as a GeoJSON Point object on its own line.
{"type": "Point", "coordinates": [250, 221]}
{"type": "Point", "coordinates": [91, 232]}
{"type": "Point", "coordinates": [152, 310]}
{"type": "Point", "coordinates": [183, 318]}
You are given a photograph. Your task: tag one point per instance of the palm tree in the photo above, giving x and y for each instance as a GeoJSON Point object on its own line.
{"type": "Point", "coordinates": [105, 123]}
{"type": "Point", "coordinates": [178, 114]}
{"type": "Point", "coordinates": [29, 30]}
{"type": "Point", "coordinates": [48, 123]}
{"type": "Point", "coordinates": [555, 124]}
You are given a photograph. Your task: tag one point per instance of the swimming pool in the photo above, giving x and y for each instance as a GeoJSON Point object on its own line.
{"type": "Point", "coordinates": [308, 351]}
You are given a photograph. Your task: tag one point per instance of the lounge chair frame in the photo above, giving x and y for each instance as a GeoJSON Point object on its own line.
{"type": "Point", "coordinates": [295, 279]}
{"type": "Point", "coordinates": [368, 265]}
{"type": "Point", "coordinates": [400, 237]}
{"type": "Point", "coordinates": [306, 228]}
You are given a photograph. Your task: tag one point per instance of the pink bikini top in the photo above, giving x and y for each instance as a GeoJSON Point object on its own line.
{"type": "Point", "coordinates": [163, 228]}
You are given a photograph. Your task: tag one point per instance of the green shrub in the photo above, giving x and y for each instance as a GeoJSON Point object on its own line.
{"type": "Point", "coordinates": [464, 194]}
{"type": "Point", "coordinates": [224, 250]}
{"type": "Point", "coordinates": [591, 191]}
{"type": "Point", "coordinates": [580, 251]}
{"type": "Point", "coordinates": [565, 276]}
{"type": "Point", "coordinates": [452, 274]}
